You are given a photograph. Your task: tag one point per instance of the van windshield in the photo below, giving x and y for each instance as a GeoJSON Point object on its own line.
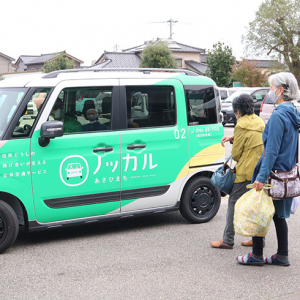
{"type": "Point", "coordinates": [10, 98]}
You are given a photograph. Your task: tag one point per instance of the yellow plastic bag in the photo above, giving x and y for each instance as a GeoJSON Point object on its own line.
{"type": "Point", "coordinates": [253, 213]}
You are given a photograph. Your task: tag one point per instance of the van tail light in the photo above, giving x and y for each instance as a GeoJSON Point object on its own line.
{"type": "Point", "coordinates": [261, 106]}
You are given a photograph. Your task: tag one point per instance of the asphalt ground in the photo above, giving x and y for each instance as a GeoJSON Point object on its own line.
{"type": "Point", "coordinates": [153, 257]}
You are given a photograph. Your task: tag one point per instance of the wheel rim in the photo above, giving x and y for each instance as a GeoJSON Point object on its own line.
{"type": "Point", "coordinates": [202, 200]}
{"type": "Point", "coordinates": [2, 228]}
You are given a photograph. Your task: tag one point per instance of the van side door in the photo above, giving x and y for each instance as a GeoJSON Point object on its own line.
{"type": "Point", "coordinates": [154, 148]}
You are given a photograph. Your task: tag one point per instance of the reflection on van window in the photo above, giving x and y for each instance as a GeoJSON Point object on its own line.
{"type": "Point", "coordinates": [202, 106]}
{"type": "Point", "coordinates": [83, 109]}
{"type": "Point", "coordinates": [9, 101]}
{"type": "Point", "coordinates": [30, 113]}
{"type": "Point", "coordinates": [149, 106]}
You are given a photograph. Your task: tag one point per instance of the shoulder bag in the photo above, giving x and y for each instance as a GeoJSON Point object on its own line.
{"type": "Point", "coordinates": [223, 178]}
{"type": "Point", "coordinates": [286, 183]}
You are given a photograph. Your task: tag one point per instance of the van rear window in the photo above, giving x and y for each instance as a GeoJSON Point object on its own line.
{"type": "Point", "coordinates": [202, 105]}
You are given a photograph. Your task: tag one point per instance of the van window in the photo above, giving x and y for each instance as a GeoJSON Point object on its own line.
{"type": "Point", "coordinates": [83, 109]}
{"type": "Point", "coordinates": [150, 106]}
{"type": "Point", "coordinates": [202, 107]}
{"type": "Point", "coordinates": [10, 98]}
{"type": "Point", "coordinates": [260, 95]}
{"type": "Point", "coordinates": [30, 113]}
{"type": "Point", "coordinates": [223, 94]}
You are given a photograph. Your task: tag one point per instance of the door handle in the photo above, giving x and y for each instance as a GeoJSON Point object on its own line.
{"type": "Point", "coordinates": [137, 146]}
{"type": "Point", "coordinates": [103, 149]}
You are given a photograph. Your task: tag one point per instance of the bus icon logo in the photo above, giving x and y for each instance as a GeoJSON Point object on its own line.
{"type": "Point", "coordinates": [74, 170]}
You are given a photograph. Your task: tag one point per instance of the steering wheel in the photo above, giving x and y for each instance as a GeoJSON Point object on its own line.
{"type": "Point", "coordinates": [27, 128]}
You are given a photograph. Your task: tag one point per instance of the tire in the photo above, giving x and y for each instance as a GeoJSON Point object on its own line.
{"type": "Point", "coordinates": [200, 200]}
{"type": "Point", "coordinates": [9, 226]}
{"type": "Point", "coordinates": [223, 123]}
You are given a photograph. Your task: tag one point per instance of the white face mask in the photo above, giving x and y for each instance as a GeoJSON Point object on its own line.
{"type": "Point", "coordinates": [92, 117]}
{"type": "Point", "coordinates": [57, 114]}
{"type": "Point", "coordinates": [273, 96]}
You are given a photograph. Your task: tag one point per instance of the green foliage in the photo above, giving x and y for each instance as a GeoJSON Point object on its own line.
{"type": "Point", "coordinates": [276, 31]}
{"type": "Point", "coordinates": [158, 55]}
{"type": "Point", "coordinates": [60, 62]}
{"type": "Point", "coordinates": [220, 61]}
{"type": "Point", "coordinates": [248, 74]}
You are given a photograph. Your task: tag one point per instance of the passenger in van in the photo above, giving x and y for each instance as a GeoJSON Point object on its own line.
{"type": "Point", "coordinates": [130, 123]}
{"type": "Point", "coordinates": [94, 125]}
{"type": "Point", "coordinates": [246, 150]}
{"type": "Point", "coordinates": [70, 124]}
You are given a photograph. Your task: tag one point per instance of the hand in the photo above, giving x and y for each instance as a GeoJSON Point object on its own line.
{"type": "Point", "coordinates": [226, 139]}
{"type": "Point", "coordinates": [258, 185]}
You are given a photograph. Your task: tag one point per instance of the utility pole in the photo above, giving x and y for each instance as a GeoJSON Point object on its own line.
{"type": "Point", "coordinates": [171, 32]}
{"type": "Point", "coordinates": [171, 23]}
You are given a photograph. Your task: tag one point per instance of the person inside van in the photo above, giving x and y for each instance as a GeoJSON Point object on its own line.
{"type": "Point", "coordinates": [94, 125]}
{"type": "Point", "coordinates": [70, 124]}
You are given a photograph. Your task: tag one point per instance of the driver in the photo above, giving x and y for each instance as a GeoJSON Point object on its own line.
{"type": "Point", "coordinates": [70, 125]}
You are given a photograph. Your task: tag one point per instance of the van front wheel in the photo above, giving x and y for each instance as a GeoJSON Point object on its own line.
{"type": "Point", "coordinates": [200, 201]}
{"type": "Point", "coordinates": [9, 226]}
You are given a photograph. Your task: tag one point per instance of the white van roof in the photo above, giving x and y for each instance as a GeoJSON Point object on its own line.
{"type": "Point", "coordinates": [53, 78]}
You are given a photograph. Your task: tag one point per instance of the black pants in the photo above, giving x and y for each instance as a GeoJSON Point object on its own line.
{"type": "Point", "coordinates": [282, 238]}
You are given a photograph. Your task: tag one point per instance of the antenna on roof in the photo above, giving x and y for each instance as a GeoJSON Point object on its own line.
{"type": "Point", "coordinates": [171, 23]}
{"type": "Point", "coordinates": [116, 47]}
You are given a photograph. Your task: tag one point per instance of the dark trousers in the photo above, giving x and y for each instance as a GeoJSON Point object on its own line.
{"type": "Point", "coordinates": [282, 238]}
{"type": "Point", "coordinates": [238, 190]}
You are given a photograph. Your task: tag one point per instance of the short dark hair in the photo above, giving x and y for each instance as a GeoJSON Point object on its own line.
{"type": "Point", "coordinates": [244, 103]}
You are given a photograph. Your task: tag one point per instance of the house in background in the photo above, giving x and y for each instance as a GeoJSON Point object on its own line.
{"type": "Point", "coordinates": [268, 67]}
{"type": "Point", "coordinates": [187, 57]}
{"type": "Point", "coordinates": [5, 63]}
{"type": "Point", "coordinates": [35, 63]}
{"type": "Point", "coordinates": [118, 60]}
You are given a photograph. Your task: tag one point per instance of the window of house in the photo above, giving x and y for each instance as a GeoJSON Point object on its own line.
{"type": "Point", "coordinates": [179, 62]}
{"type": "Point", "coordinates": [202, 105]}
{"type": "Point", "coordinates": [150, 106]}
{"type": "Point", "coordinates": [83, 109]}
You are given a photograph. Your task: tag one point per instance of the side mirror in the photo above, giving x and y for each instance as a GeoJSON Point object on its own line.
{"type": "Point", "coordinates": [50, 130]}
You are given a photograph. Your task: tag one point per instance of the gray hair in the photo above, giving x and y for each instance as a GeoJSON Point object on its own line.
{"type": "Point", "coordinates": [288, 82]}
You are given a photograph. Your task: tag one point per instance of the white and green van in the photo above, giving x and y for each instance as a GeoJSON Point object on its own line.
{"type": "Point", "coordinates": [151, 147]}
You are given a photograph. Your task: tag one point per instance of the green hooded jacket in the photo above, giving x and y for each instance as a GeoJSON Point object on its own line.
{"type": "Point", "coordinates": [247, 146]}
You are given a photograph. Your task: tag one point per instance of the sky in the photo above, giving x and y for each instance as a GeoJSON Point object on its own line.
{"type": "Point", "coordinates": [87, 28]}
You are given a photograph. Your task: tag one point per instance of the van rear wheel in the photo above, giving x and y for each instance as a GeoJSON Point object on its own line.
{"type": "Point", "coordinates": [200, 201]}
{"type": "Point", "coordinates": [9, 226]}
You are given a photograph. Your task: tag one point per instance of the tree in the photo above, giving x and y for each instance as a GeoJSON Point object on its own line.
{"type": "Point", "coordinates": [248, 74]}
{"type": "Point", "coordinates": [276, 31]}
{"type": "Point", "coordinates": [219, 62]}
{"type": "Point", "coordinates": [61, 62]}
{"type": "Point", "coordinates": [158, 55]}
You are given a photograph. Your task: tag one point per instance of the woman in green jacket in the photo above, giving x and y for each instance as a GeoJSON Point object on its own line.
{"type": "Point", "coordinates": [247, 147]}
